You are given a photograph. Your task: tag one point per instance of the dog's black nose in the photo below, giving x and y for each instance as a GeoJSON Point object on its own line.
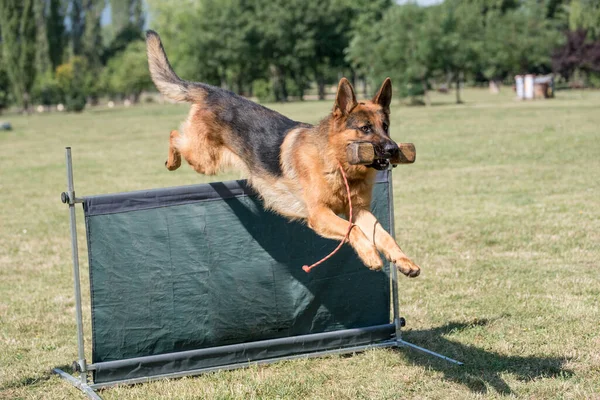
{"type": "Point", "coordinates": [390, 149]}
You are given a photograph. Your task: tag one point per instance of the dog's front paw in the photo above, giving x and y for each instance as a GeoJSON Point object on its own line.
{"type": "Point", "coordinates": [372, 260]}
{"type": "Point", "coordinates": [407, 267]}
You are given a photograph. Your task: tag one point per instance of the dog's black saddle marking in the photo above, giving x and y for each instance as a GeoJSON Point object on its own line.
{"type": "Point", "coordinates": [259, 131]}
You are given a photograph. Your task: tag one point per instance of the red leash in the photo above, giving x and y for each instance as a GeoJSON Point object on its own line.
{"type": "Point", "coordinates": [307, 268]}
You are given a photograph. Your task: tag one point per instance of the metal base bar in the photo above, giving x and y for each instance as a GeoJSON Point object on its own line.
{"type": "Point", "coordinates": [89, 389]}
{"type": "Point", "coordinates": [424, 350]}
{"type": "Point", "coordinates": [84, 387]}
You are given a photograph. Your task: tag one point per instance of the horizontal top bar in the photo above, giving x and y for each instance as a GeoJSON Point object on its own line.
{"type": "Point", "coordinates": [153, 198]}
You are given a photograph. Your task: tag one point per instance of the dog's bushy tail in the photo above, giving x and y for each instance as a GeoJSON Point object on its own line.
{"type": "Point", "coordinates": [165, 79]}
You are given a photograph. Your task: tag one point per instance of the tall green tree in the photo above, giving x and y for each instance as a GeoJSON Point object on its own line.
{"type": "Point", "coordinates": [44, 89]}
{"type": "Point", "coordinates": [71, 78]}
{"type": "Point", "coordinates": [366, 15]}
{"type": "Point", "coordinates": [42, 55]}
{"type": "Point", "coordinates": [518, 41]}
{"type": "Point", "coordinates": [190, 52]}
{"type": "Point", "coordinates": [127, 22]}
{"type": "Point", "coordinates": [91, 42]}
{"type": "Point", "coordinates": [461, 44]}
{"type": "Point", "coordinates": [228, 46]}
{"type": "Point", "coordinates": [331, 26]}
{"type": "Point", "coordinates": [120, 14]}
{"type": "Point", "coordinates": [4, 84]}
{"type": "Point", "coordinates": [127, 73]}
{"type": "Point", "coordinates": [302, 38]}
{"type": "Point", "coordinates": [138, 17]}
{"type": "Point", "coordinates": [55, 28]}
{"type": "Point", "coordinates": [585, 15]}
{"type": "Point", "coordinates": [77, 17]}
{"type": "Point", "coordinates": [283, 43]}
{"type": "Point", "coordinates": [128, 14]}
{"type": "Point", "coordinates": [18, 31]}
{"type": "Point", "coordinates": [408, 49]}
{"type": "Point", "coordinates": [92, 46]}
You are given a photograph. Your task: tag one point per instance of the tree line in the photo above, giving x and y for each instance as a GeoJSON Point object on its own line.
{"type": "Point", "coordinates": [58, 51]}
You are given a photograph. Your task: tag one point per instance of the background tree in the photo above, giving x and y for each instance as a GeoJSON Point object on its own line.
{"type": "Point", "coordinates": [55, 29]}
{"type": "Point", "coordinates": [71, 78]}
{"type": "Point", "coordinates": [45, 88]}
{"type": "Point", "coordinates": [460, 43]}
{"type": "Point", "coordinates": [4, 83]}
{"type": "Point", "coordinates": [360, 52]}
{"type": "Point", "coordinates": [518, 41]}
{"type": "Point", "coordinates": [42, 48]}
{"type": "Point", "coordinates": [120, 15]}
{"type": "Point", "coordinates": [280, 49]}
{"type": "Point", "coordinates": [92, 46]}
{"type": "Point", "coordinates": [126, 74]}
{"type": "Point", "coordinates": [585, 15]}
{"type": "Point", "coordinates": [190, 54]}
{"type": "Point", "coordinates": [407, 49]}
{"type": "Point", "coordinates": [577, 55]}
{"type": "Point", "coordinates": [138, 18]}
{"type": "Point", "coordinates": [18, 31]}
{"type": "Point", "coordinates": [332, 30]}
{"type": "Point", "coordinates": [77, 18]}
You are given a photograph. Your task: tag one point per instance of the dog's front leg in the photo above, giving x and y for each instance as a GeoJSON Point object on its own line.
{"type": "Point", "coordinates": [385, 242]}
{"type": "Point", "coordinates": [324, 222]}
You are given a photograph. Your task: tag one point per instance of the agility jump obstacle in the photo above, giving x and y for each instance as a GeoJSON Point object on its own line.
{"type": "Point", "coordinates": [194, 279]}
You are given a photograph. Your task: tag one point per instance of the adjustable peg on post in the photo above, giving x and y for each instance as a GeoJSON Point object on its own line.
{"type": "Point", "coordinates": [363, 153]}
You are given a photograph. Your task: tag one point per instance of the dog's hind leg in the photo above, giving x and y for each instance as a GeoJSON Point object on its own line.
{"type": "Point", "coordinates": [385, 243]}
{"type": "Point", "coordinates": [174, 159]}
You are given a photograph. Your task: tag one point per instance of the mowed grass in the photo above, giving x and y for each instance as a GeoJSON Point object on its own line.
{"type": "Point", "coordinates": [501, 210]}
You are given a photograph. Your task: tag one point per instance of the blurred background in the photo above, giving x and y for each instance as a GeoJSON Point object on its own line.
{"type": "Point", "coordinates": [501, 209]}
{"type": "Point", "coordinates": [69, 54]}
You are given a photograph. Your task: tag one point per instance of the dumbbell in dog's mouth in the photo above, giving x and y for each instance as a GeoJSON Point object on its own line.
{"type": "Point", "coordinates": [384, 152]}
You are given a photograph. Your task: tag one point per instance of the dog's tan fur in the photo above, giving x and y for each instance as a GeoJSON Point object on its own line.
{"type": "Point", "coordinates": [310, 187]}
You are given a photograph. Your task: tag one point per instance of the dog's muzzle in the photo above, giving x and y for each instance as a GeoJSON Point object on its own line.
{"type": "Point", "coordinates": [383, 153]}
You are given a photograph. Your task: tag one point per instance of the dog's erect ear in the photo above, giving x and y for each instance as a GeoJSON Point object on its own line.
{"type": "Point", "coordinates": [384, 95]}
{"type": "Point", "coordinates": [345, 99]}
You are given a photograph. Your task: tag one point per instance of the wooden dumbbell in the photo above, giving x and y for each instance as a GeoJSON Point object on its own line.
{"type": "Point", "coordinates": [363, 153]}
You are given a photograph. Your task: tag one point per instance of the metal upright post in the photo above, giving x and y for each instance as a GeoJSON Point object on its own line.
{"type": "Point", "coordinates": [399, 322]}
{"type": "Point", "coordinates": [77, 285]}
{"type": "Point", "coordinates": [80, 366]}
{"type": "Point", "coordinates": [393, 270]}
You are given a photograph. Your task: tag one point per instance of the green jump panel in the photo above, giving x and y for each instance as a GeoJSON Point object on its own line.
{"type": "Point", "coordinates": [186, 273]}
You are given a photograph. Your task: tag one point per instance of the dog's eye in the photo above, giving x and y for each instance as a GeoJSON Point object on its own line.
{"type": "Point", "coordinates": [385, 128]}
{"type": "Point", "coordinates": [366, 129]}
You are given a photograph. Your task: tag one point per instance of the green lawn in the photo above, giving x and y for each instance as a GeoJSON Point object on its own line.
{"type": "Point", "coordinates": [501, 210]}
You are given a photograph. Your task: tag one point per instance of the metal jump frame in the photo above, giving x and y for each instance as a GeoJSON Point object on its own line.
{"type": "Point", "coordinates": [83, 368]}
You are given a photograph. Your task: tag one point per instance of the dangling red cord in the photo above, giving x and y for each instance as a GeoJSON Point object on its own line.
{"type": "Point", "coordinates": [307, 268]}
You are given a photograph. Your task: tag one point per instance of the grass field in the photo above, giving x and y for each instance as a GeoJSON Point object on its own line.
{"type": "Point", "coordinates": [501, 210]}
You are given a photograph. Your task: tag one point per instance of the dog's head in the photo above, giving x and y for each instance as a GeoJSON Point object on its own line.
{"type": "Point", "coordinates": [364, 121]}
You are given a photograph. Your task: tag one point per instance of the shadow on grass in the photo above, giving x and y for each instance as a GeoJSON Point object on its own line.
{"type": "Point", "coordinates": [43, 376]}
{"type": "Point", "coordinates": [481, 368]}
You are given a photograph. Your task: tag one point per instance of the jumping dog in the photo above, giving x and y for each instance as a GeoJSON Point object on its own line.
{"type": "Point", "coordinates": [293, 166]}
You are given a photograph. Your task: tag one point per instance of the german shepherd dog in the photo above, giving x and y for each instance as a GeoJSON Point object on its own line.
{"type": "Point", "coordinates": [293, 166]}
